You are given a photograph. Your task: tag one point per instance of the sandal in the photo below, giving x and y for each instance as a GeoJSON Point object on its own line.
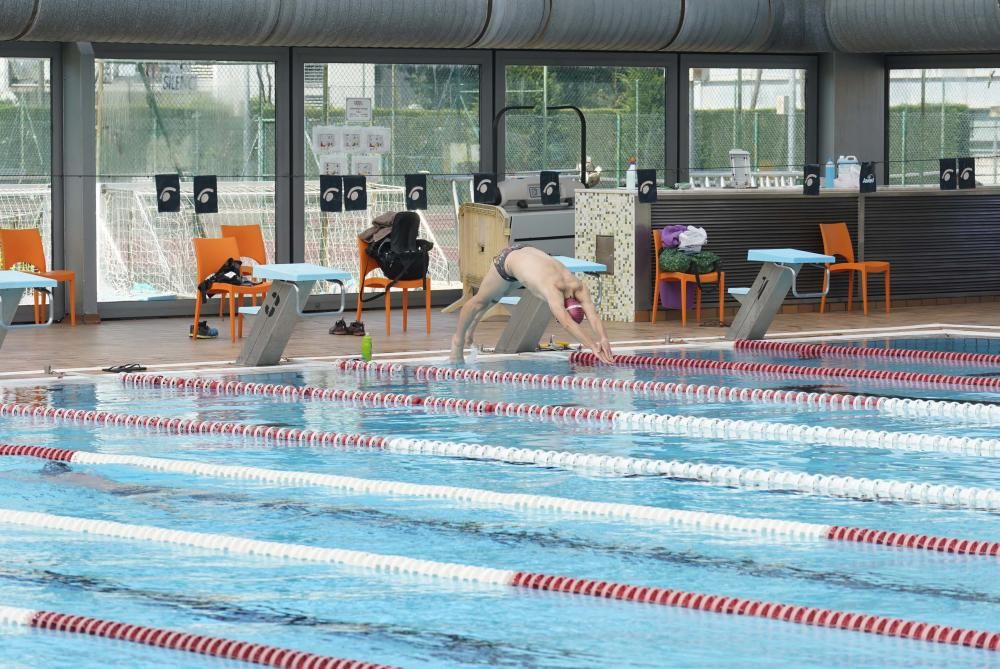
{"type": "Point", "coordinates": [127, 367]}
{"type": "Point", "coordinates": [340, 328]}
{"type": "Point", "coordinates": [357, 328]}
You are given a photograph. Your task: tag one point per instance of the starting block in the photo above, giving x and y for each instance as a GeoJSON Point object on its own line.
{"type": "Point", "coordinates": [283, 306]}
{"type": "Point", "coordinates": [12, 287]}
{"type": "Point", "coordinates": [760, 303]}
{"type": "Point", "coordinates": [531, 315]}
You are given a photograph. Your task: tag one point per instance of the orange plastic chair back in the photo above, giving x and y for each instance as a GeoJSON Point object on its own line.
{"type": "Point", "coordinates": [837, 240]}
{"type": "Point", "coordinates": [368, 263]}
{"type": "Point", "coordinates": [22, 246]}
{"type": "Point", "coordinates": [250, 239]}
{"type": "Point", "coordinates": [657, 249]}
{"type": "Point", "coordinates": [210, 254]}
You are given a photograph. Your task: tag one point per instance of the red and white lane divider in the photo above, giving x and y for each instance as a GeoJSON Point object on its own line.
{"type": "Point", "coordinates": [689, 426]}
{"type": "Point", "coordinates": [522, 501]}
{"type": "Point", "coordinates": [968, 411]}
{"type": "Point", "coordinates": [244, 651]}
{"type": "Point", "coordinates": [841, 351]}
{"type": "Point", "coordinates": [396, 564]}
{"type": "Point", "coordinates": [982, 382]}
{"type": "Point", "coordinates": [741, 477]}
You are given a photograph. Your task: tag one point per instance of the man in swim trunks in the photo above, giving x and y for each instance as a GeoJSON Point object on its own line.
{"type": "Point", "coordinates": [548, 280]}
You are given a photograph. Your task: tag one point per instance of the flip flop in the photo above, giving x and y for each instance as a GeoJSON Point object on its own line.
{"type": "Point", "coordinates": [127, 367]}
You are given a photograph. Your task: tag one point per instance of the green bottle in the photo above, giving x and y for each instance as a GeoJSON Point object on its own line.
{"type": "Point", "coordinates": [366, 347]}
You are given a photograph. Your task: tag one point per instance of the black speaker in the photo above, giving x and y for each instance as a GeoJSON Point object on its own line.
{"type": "Point", "coordinates": [168, 193]}
{"type": "Point", "coordinates": [416, 191]}
{"type": "Point", "coordinates": [548, 182]}
{"type": "Point", "coordinates": [868, 181]}
{"type": "Point", "coordinates": [484, 189]}
{"type": "Point", "coordinates": [647, 185]}
{"type": "Point", "coordinates": [355, 193]}
{"type": "Point", "coordinates": [206, 195]}
{"type": "Point", "coordinates": [949, 179]}
{"type": "Point", "coordinates": [967, 172]}
{"type": "Point", "coordinates": [810, 179]}
{"type": "Point", "coordinates": [331, 193]}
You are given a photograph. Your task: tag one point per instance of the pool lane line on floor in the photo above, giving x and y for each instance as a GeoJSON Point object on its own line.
{"type": "Point", "coordinates": [397, 564]}
{"type": "Point", "coordinates": [844, 351]}
{"type": "Point", "coordinates": [523, 501]}
{"type": "Point", "coordinates": [243, 651]}
{"type": "Point", "coordinates": [964, 497]}
{"type": "Point", "coordinates": [895, 406]}
{"type": "Point", "coordinates": [979, 382]}
{"type": "Point", "coordinates": [671, 424]}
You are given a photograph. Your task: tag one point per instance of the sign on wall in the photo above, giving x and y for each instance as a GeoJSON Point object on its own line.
{"type": "Point", "coordinates": [359, 110]}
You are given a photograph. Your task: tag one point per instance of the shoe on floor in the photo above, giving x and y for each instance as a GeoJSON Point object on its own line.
{"type": "Point", "coordinates": [357, 328]}
{"type": "Point", "coordinates": [204, 332]}
{"type": "Point", "coordinates": [340, 328]}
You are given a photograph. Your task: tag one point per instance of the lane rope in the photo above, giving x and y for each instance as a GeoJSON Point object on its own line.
{"type": "Point", "coordinates": [584, 358]}
{"type": "Point", "coordinates": [964, 497]}
{"type": "Point", "coordinates": [841, 351]}
{"type": "Point", "coordinates": [394, 564]}
{"type": "Point", "coordinates": [907, 407]}
{"type": "Point", "coordinates": [680, 425]}
{"type": "Point", "coordinates": [522, 501]}
{"type": "Point", "coordinates": [243, 651]}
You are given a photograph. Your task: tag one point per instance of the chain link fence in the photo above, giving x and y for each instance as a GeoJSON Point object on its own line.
{"type": "Point", "coordinates": [943, 113]}
{"type": "Point", "coordinates": [761, 111]}
{"type": "Point", "coordinates": [624, 110]}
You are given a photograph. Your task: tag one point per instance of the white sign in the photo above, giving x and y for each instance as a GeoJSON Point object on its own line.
{"type": "Point", "coordinates": [366, 165]}
{"type": "Point", "coordinates": [334, 163]}
{"type": "Point", "coordinates": [359, 110]}
{"type": "Point", "coordinates": [327, 139]}
{"type": "Point", "coordinates": [353, 137]}
{"type": "Point", "coordinates": [375, 140]}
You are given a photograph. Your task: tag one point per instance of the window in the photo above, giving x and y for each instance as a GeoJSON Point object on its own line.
{"type": "Point", "coordinates": [943, 113]}
{"type": "Point", "coordinates": [624, 110]}
{"type": "Point", "coordinates": [761, 111]}
{"type": "Point", "coordinates": [186, 117]}
{"type": "Point", "coordinates": [26, 147]}
{"type": "Point", "coordinates": [430, 117]}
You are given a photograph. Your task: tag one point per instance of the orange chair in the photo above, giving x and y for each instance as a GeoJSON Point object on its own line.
{"type": "Point", "coordinates": [684, 280]}
{"type": "Point", "coordinates": [210, 255]}
{"type": "Point", "coordinates": [250, 239]}
{"type": "Point", "coordinates": [369, 265]}
{"type": "Point", "coordinates": [837, 242]}
{"type": "Point", "coordinates": [24, 247]}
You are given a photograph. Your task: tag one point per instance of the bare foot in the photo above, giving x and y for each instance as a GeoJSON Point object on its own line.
{"type": "Point", "coordinates": [457, 353]}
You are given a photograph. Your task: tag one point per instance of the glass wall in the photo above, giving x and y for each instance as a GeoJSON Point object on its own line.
{"type": "Point", "coordinates": [184, 117]}
{"type": "Point", "coordinates": [26, 147]}
{"type": "Point", "coordinates": [623, 106]}
{"type": "Point", "coordinates": [943, 113]}
{"type": "Point", "coordinates": [761, 111]}
{"type": "Point", "coordinates": [427, 117]}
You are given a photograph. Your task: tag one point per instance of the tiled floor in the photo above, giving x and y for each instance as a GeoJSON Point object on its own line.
{"type": "Point", "coordinates": [164, 341]}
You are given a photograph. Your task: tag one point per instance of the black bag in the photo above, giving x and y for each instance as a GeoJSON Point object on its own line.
{"type": "Point", "coordinates": [401, 256]}
{"type": "Point", "coordinates": [230, 272]}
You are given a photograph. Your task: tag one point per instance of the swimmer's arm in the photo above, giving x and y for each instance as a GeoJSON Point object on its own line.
{"type": "Point", "coordinates": [583, 296]}
{"type": "Point", "coordinates": [557, 306]}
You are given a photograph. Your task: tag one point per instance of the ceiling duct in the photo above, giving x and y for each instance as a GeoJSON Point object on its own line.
{"type": "Point", "coordinates": [15, 17]}
{"type": "Point", "coordinates": [723, 25]}
{"type": "Point", "coordinates": [379, 23]}
{"type": "Point", "coordinates": [514, 24]}
{"type": "Point", "coordinates": [913, 26]}
{"type": "Point", "coordinates": [223, 22]}
{"type": "Point", "coordinates": [600, 25]}
{"type": "Point", "coordinates": [799, 27]}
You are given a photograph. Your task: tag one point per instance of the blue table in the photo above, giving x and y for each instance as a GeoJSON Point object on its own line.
{"type": "Point", "coordinates": [282, 308]}
{"type": "Point", "coordinates": [779, 275]}
{"type": "Point", "coordinates": [12, 287]}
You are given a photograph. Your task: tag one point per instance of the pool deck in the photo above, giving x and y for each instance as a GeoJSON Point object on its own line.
{"type": "Point", "coordinates": [163, 341]}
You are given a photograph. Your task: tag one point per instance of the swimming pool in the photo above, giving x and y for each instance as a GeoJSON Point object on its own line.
{"type": "Point", "coordinates": [791, 462]}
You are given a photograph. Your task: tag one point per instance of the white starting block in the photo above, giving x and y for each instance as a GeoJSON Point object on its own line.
{"type": "Point", "coordinates": [282, 308]}
{"type": "Point", "coordinates": [12, 287]}
{"type": "Point", "coordinates": [531, 315]}
{"type": "Point", "coordinates": [760, 303]}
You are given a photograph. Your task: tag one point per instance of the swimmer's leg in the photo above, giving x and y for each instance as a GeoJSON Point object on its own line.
{"type": "Point", "coordinates": [492, 289]}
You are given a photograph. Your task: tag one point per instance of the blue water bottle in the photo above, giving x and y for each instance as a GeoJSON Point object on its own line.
{"type": "Point", "coordinates": [830, 176]}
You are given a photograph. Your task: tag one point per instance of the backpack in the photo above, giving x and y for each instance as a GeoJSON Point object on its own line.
{"type": "Point", "coordinates": [400, 255]}
{"type": "Point", "coordinates": [230, 272]}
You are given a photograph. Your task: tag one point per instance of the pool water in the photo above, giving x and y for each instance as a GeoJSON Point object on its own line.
{"type": "Point", "coordinates": [424, 622]}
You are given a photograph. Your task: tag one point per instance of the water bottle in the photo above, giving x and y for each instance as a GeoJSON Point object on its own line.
{"type": "Point", "coordinates": [831, 174]}
{"type": "Point", "coordinates": [630, 175]}
{"type": "Point", "coordinates": [366, 348]}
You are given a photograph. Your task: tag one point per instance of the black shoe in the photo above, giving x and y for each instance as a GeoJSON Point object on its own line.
{"type": "Point", "coordinates": [357, 328]}
{"type": "Point", "coordinates": [204, 332]}
{"type": "Point", "coordinates": [340, 328]}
